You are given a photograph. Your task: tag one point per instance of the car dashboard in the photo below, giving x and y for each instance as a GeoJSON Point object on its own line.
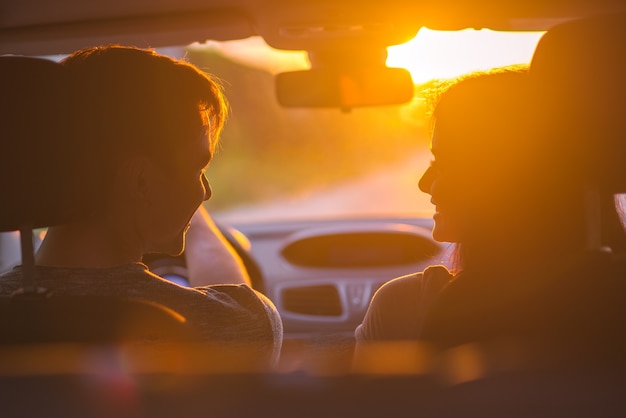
{"type": "Point", "coordinates": [321, 274]}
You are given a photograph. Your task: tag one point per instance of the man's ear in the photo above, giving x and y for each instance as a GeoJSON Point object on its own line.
{"type": "Point", "coordinates": [136, 180]}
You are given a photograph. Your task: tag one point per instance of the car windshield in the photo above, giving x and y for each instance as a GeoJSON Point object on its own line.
{"type": "Point", "coordinates": [279, 163]}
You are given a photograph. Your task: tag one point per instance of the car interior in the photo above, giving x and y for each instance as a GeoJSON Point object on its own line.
{"type": "Point", "coordinates": [317, 262]}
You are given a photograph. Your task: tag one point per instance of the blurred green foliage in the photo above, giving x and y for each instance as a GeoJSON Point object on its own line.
{"type": "Point", "coordinates": [269, 152]}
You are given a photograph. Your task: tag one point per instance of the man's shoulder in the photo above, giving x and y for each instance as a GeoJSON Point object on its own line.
{"type": "Point", "coordinates": [242, 296]}
{"type": "Point", "coordinates": [252, 315]}
{"type": "Point", "coordinates": [9, 280]}
{"type": "Point", "coordinates": [239, 292]}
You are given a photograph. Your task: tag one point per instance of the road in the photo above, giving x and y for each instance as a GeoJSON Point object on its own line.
{"type": "Point", "coordinates": [390, 191]}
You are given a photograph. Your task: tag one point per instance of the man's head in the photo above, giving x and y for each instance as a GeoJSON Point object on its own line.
{"type": "Point", "coordinates": [148, 126]}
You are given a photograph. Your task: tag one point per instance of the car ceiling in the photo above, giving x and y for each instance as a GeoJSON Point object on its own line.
{"type": "Point", "coordinates": [61, 26]}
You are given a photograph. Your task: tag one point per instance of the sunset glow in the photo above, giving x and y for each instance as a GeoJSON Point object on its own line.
{"type": "Point", "coordinates": [439, 54]}
{"type": "Point", "coordinates": [431, 54]}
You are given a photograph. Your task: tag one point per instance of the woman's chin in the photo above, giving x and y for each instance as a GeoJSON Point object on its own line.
{"type": "Point", "coordinates": [442, 231]}
{"type": "Point", "coordinates": [439, 237]}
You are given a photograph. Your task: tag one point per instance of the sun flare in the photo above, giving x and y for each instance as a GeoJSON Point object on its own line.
{"type": "Point", "coordinates": [429, 55]}
{"type": "Point", "coordinates": [441, 54]}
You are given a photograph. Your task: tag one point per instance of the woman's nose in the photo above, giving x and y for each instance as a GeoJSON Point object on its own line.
{"type": "Point", "coordinates": [426, 180]}
{"type": "Point", "coordinates": [207, 188]}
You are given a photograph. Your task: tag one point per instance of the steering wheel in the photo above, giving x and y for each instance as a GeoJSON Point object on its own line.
{"type": "Point", "coordinates": [174, 268]}
{"type": "Point", "coordinates": [240, 244]}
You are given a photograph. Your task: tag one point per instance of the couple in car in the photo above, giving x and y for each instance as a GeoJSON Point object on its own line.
{"type": "Point", "coordinates": [517, 180]}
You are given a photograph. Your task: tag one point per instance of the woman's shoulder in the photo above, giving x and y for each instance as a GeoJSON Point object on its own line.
{"type": "Point", "coordinates": [432, 279]}
{"type": "Point", "coordinates": [397, 308]}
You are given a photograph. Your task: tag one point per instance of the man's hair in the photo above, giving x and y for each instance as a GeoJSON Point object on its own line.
{"type": "Point", "coordinates": [129, 101]}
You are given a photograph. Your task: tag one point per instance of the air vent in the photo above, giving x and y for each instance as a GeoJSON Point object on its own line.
{"type": "Point", "coordinates": [320, 300]}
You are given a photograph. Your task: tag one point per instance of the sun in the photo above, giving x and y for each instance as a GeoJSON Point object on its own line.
{"type": "Point", "coordinates": [447, 54]}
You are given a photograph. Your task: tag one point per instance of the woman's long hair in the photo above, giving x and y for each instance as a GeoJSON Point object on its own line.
{"type": "Point", "coordinates": [525, 201]}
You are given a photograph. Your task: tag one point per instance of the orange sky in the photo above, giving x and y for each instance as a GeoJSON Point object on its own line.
{"type": "Point", "coordinates": [436, 54]}
{"type": "Point", "coordinates": [431, 54]}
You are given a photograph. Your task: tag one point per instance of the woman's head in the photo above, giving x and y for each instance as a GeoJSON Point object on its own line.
{"type": "Point", "coordinates": [495, 191]}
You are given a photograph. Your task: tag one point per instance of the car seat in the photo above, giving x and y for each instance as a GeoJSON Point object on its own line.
{"type": "Point", "coordinates": [35, 170]}
{"type": "Point", "coordinates": [579, 69]}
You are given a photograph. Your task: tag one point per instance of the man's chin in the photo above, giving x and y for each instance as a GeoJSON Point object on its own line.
{"type": "Point", "coordinates": [177, 253]}
{"type": "Point", "coordinates": [173, 249]}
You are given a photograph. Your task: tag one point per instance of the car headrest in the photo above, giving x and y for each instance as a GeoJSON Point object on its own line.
{"type": "Point", "coordinates": [34, 135]}
{"type": "Point", "coordinates": [579, 68]}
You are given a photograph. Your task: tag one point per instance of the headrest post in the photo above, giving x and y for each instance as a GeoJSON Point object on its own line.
{"type": "Point", "coordinates": [28, 259]}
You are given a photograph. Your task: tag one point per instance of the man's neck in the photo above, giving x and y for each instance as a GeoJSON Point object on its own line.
{"type": "Point", "coordinates": [88, 245]}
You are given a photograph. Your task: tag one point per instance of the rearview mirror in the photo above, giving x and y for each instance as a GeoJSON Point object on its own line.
{"type": "Point", "coordinates": [344, 88]}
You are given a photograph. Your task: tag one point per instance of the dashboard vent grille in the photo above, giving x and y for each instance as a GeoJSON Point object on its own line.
{"type": "Point", "coordinates": [322, 300]}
